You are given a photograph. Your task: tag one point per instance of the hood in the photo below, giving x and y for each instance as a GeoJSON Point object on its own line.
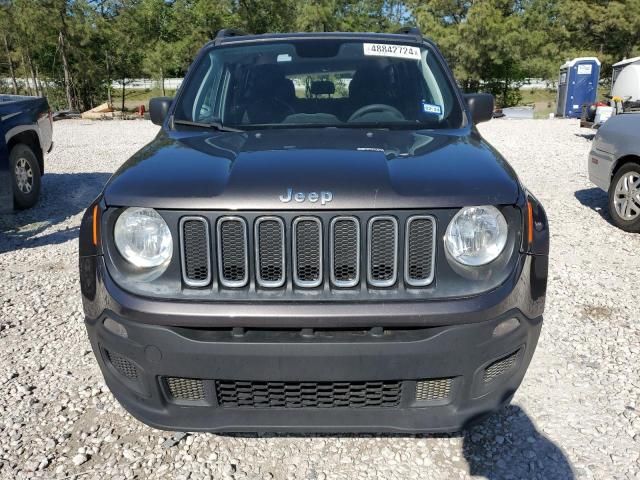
{"type": "Point", "coordinates": [309, 169]}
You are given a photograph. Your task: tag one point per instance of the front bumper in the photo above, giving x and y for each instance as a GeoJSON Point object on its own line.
{"type": "Point", "coordinates": [600, 168]}
{"type": "Point", "coordinates": [281, 364]}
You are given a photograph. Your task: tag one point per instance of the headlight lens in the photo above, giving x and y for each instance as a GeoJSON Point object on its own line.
{"type": "Point", "coordinates": [476, 235]}
{"type": "Point", "coordinates": [143, 237]}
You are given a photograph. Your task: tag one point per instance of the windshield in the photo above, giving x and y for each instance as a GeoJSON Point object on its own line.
{"type": "Point", "coordinates": [329, 83]}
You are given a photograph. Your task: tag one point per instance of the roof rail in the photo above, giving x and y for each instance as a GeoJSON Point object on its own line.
{"type": "Point", "coordinates": [415, 31]}
{"type": "Point", "coordinates": [227, 33]}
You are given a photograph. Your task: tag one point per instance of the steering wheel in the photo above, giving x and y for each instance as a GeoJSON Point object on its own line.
{"type": "Point", "coordinates": [376, 107]}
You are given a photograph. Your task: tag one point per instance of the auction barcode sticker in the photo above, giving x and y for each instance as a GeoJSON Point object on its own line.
{"type": "Point", "coordinates": [386, 50]}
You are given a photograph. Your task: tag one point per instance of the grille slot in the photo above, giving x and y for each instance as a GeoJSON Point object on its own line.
{"type": "Point", "coordinates": [232, 252]}
{"type": "Point", "coordinates": [308, 394]}
{"type": "Point", "coordinates": [433, 389]}
{"type": "Point", "coordinates": [191, 389]}
{"type": "Point", "coordinates": [195, 252]}
{"type": "Point", "coordinates": [122, 365]}
{"type": "Point", "coordinates": [307, 251]}
{"type": "Point", "coordinates": [420, 250]}
{"type": "Point", "coordinates": [500, 367]}
{"type": "Point", "coordinates": [383, 251]}
{"type": "Point", "coordinates": [270, 256]}
{"type": "Point", "coordinates": [345, 251]}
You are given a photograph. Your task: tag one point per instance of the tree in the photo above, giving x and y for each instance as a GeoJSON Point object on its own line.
{"type": "Point", "coordinates": [6, 32]}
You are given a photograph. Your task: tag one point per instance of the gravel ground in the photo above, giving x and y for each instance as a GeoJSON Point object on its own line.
{"type": "Point", "coordinates": [577, 414]}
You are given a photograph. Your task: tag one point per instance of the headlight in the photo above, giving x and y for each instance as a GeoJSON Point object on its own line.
{"type": "Point", "coordinates": [476, 235]}
{"type": "Point", "coordinates": [143, 237]}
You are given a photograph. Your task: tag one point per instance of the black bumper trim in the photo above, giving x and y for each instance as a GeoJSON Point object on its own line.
{"type": "Point", "coordinates": [460, 351]}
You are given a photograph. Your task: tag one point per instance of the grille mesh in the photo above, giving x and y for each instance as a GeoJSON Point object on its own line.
{"type": "Point", "coordinates": [419, 255]}
{"type": "Point", "coordinates": [233, 252]}
{"type": "Point", "coordinates": [346, 251]}
{"type": "Point", "coordinates": [196, 252]}
{"type": "Point", "coordinates": [500, 367]}
{"type": "Point", "coordinates": [123, 365]}
{"type": "Point", "coordinates": [383, 246]}
{"type": "Point", "coordinates": [308, 394]}
{"type": "Point", "coordinates": [436, 389]}
{"type": "Point", "coordinates": [308, 252]}
{"type": "Point", "coordinates": [270, 264]}
{"type": "Point", "coordinates": [185, 388]}
{"type": "Point", "coordinates": [293, 246]}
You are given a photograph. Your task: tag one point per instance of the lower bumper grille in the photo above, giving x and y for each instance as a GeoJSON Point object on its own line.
{"type": "Point", "coordinates": [436, 389]}
{"type": "Point", "coordinates": [191, 389]}
{"type": "Point", "coordinates": [122, 365]}
{"type": "Point", "coordinates": [500, 367]}
{"type": "Point", "coordinates": [308, 394]}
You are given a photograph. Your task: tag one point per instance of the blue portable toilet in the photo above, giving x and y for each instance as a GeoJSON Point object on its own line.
{"type": "Point", "coordinates": [578, 84]}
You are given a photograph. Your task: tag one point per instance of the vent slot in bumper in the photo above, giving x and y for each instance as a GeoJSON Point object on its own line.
{"type": "Point", "coordinates": [122, 365]}
{"type": "Point", "coordinates": [189, 389]}
{"type": "Point", "coordinates": [236, 394]}
{"type": "Point", "coordinates": [500, 367]}
{"type": "Point", "coordinates": [433, 389]}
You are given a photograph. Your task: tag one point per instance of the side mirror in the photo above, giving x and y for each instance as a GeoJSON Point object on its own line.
{"type": "Point", "coordinates": [159, 108]}
{"type": "Point", "coordinates": [480, 106]}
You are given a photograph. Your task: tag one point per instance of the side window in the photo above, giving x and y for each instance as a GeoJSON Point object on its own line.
{"type": "Point", "coordinates": [204, 107]}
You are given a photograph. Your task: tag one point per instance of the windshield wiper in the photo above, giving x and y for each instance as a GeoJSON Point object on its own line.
{"type": "Point", "coordinates": [214, 125]}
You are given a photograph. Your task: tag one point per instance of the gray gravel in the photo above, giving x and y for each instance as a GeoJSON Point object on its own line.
{"type": "Point", "coordinates": [577, 414]}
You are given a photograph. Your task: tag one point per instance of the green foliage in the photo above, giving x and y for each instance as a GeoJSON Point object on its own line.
{"type": "Point", "coordinates": [493, 45]}
{"type": "Point", "coordinates": [71, 50]}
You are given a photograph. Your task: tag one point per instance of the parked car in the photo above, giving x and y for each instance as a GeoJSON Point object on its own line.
{"type": "Point", "coordinates": [322, 258]}
{"type": "Point", "coordinates": [614, 166]}
{"type": "Point", "coordinates": [26, 131]}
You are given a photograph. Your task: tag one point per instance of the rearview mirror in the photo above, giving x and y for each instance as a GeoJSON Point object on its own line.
{"type": "Point", "coordinates": [480, 106]}
{"type": "Point", "coordinates": [159, 108]}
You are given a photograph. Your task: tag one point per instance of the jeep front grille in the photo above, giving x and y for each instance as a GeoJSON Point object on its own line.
{"type": "Point", "coordinates": [270, 251]}
{"type": "Point", "coordinates": [377, 250]}
{"type": "Point", "coordinates": [233, 251]}
{"type": "Point", "coordinates": [420, 250]}
{"type": "Point", "coordinates": [195, 253]}
{"type": "Point", "coordinates": [307, 251]}
{"type": "Point", "coordinates": [345, 251]}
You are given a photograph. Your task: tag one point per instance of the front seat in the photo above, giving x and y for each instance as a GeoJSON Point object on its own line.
{"type": "Point", "coordinates": [271, 95]}
{"type": "Point", "coordinates": [368, 86]}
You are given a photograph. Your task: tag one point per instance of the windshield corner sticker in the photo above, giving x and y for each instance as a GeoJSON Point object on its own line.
{"type": "Point", "coordinates": [430, 108]}
{"type": "Point", "coordinates": [386, 50]}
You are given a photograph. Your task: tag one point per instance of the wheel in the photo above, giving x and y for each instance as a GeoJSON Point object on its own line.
{"type": "Point", "coordinates": [376, 107]}
{"type": "Point", "coordinates": [624, 198]}
{"type": "Point", "coordinates": [26, 176]}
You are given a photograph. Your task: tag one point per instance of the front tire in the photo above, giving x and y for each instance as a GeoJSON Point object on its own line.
{"type": "Point", "coordinates": [624, 198]}
{"type": "Point", "coordinates": [25, 173]}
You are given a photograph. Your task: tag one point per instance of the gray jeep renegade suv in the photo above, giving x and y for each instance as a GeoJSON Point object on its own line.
{"type": "Point", "coordinates": [318, 239]}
